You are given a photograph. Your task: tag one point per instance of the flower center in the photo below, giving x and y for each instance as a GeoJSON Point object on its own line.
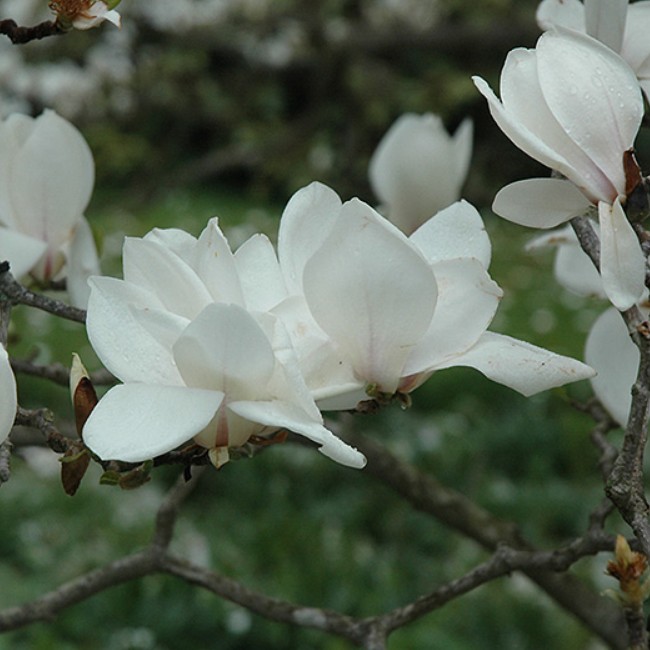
{"type": "Point", "coordinates": [70, 9]}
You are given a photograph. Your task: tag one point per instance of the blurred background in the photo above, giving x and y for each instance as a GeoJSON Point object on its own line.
{"type": "Point", "coordinates": [198, 108]}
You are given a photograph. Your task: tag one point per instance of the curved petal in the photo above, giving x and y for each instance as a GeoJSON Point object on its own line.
{"type": "Point", "coordinates": [135, 422]}
{"type": "Point", "coordinates": [615, 358]}
{"type": "Point", "coordinates": [563, 13]}
{"type": "Point", "coordinates": [83, 262]}
{"type": "Point", "coordinates": [414, 170]}
{"type": "Point", "coordinates": [456, 231]}
{"type": "Point", "coordinates": [8, 398]}
{"type": "Point", "coordinates": [370, 290]}
{"type": "Point", "coordinates": [462, 143]}
{"type": "Point", "coordinates": [467, 302]}
{"type": "Point", "coordinates": [52, 177]}
{"type": "Point", "coordinates": [636, 48]}
{"type": "Point", "coordinates": [261, 279]}
{"type": "Point", "coordinates": [21, 251]}
{"type": "Point", "coordinates": [279, 414]}
{"type": "Point", "coordinates": [306, 222]}
{"type": "Point", "coordinates": [622, 263]}
{"type": "Point", "coordinates": [520, 365]}
{"type": "Point", "coordinates": [155, 268]}
{"type": "Point", "coordinates": [605, 21]}
{"type": "Point", "coordinates": [573, 268]}
{"type": "Point", "coordinates": [605, 120]}
{"type": "Point", "coordinates": [215, 265]}
{"type": "Point", "coordinates": [175, 239]}
{"type": "Point", "coordinates": [124, 346]}
{"type": "Point", "coordinates": [539, 202]}
{"type": "Point", "coordinates": [225, 349]}
{"type": "Point", "coordinates": [526, 119]}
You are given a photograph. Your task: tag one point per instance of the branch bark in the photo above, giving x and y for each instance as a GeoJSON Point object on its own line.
{"type": "Point", "coordinates": [19, 35]}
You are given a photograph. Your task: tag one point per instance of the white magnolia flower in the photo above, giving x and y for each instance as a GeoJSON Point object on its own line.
{"type": "Point", "coordinates": [8, 399]}
{"type": "Point", "coordinates": [418, 168]}
{"type": "Point", "coordinates": [195, 364]}
{"type": "Point", "coordinates": [622, 27]}
{"type": "Point", "coordinates": [372, 311]}
{"type": "Point", "coordinates": [574, 105]}
{"type": "Point", "coordinates": [85, 14]}
{"type": "Point", "coordinates": [46, 179]}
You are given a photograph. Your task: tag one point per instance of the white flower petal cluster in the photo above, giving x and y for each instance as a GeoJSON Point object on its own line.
{"type": "Point", "coordinates": [46, 179]}
{"type": "Point", "coordinates": [85, 14]}
{"type": "Point", "coordinates": [609, 350]}
{"type": "Point", "coordinates": [8, 399]}
{"type": "Point", "coordinates": [418, 168]}
{"type": "Point", "coordinates": [621, 26]}
{"type": "Point", "coordinates": [574, 105]}
{"type": "Point", "coordinates": [215, 346]}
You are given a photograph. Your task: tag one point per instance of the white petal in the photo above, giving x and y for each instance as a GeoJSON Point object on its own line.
{"type": "Point", "coordinates": [594, 96]}
{"type": "Point", "coordinates": [415, 168]}
{"type": "Point", "coordinates": [372, 292]}
{"type": "Point", "coordinates": [124, 346]}
{"type": "Point", "coordinates": [456, 231]}
{"type": "Point", "coordinates": [8, 398]}
{"type": "Point", "coordinates": [52, 177]}
{"type": "Point", "coordinates": [520, 365]}
{"type": "Point", "coordinates": [563, 13]}
{"type": "Point", "coordinates": [636, 48]}
{"type": "Point", "coordinates": [225, 349]}
{"type": "Point", "coordinates": [462, 140]}
{"type": "Point", "coordinates": [177, 240]}
{"type": "Point", "coordinates": [164, 326]}
{"type": "Point", "coordinates": [22, 251]}
{"type": "Point", "coordinates": [215, 265]}
{"type": "Point", "coordinates": [615, 358]}
{"type": "Point", "coordinates": [467, 302]}
{"type": "Point", "coordinates": [155, 268]}
{"type": "Point", "coordinates": [306, 222]}
{"type": "Point", "coordinates": [526, 119]}
{"type": "Point", "coordinates": [135, 422]}
{"type": "Point", "coordinates": [540, 202]}
{"type": "Point", "coordinates": [261, 280]}
{"type": "Point", "coordinates": [574, 270]}
{"type": "Point", "coordinates": [605, 21]}
{"type": "Point", "coordinates": [83, 262]}
{"type": "Point", "coordinates": [622, 264]}
{"type": "Point", "coordinates": [287, 416]}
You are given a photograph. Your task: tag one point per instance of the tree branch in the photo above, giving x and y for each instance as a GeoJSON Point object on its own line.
{"type": "Point", "coordinates": [20, 35]}
{"type": "Point", "coordinates": [624, 484]}
{"type": "Point", "coordinates": [16, 294]}
{"type": "Point", "coordinates": [453, 509]}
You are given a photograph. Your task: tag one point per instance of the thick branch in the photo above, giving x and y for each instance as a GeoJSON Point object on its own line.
{"type": "Point", "coordinates": [58, 373]}
{"type": "Point", "coordinates": [19, 35]}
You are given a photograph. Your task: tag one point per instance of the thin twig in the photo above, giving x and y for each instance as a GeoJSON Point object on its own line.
{"type": "Point", "coordinates": [16, 294]}
{"type": "Point", "coordinates": [58, 373]}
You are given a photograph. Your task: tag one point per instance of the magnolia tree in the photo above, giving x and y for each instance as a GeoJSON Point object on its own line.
{"type": "Point", "coordinates": [212, 355]}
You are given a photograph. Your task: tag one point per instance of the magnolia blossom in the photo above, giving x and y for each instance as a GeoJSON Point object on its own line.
{"type": "Point", "coordinates": [46, 179]}
{"type": "Point", "coordinates": [195, 364]}
{"type": "Point", "coordinates": [574, 105]}
{"type": "Point", "coordinates": [8, 399]}
{"type": "Point", "coordinates": [609, 349]}
{"type": "Point", "coordinates": [418, 168]}
{"type": "Point", "coordinates": [85, 14]}
{"type": "Point", "coordinates": [622, 27]}
{"type": "Point", "coordinates": [217, 346]}
{"type": "Point", "coordinates": [394, 308]}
